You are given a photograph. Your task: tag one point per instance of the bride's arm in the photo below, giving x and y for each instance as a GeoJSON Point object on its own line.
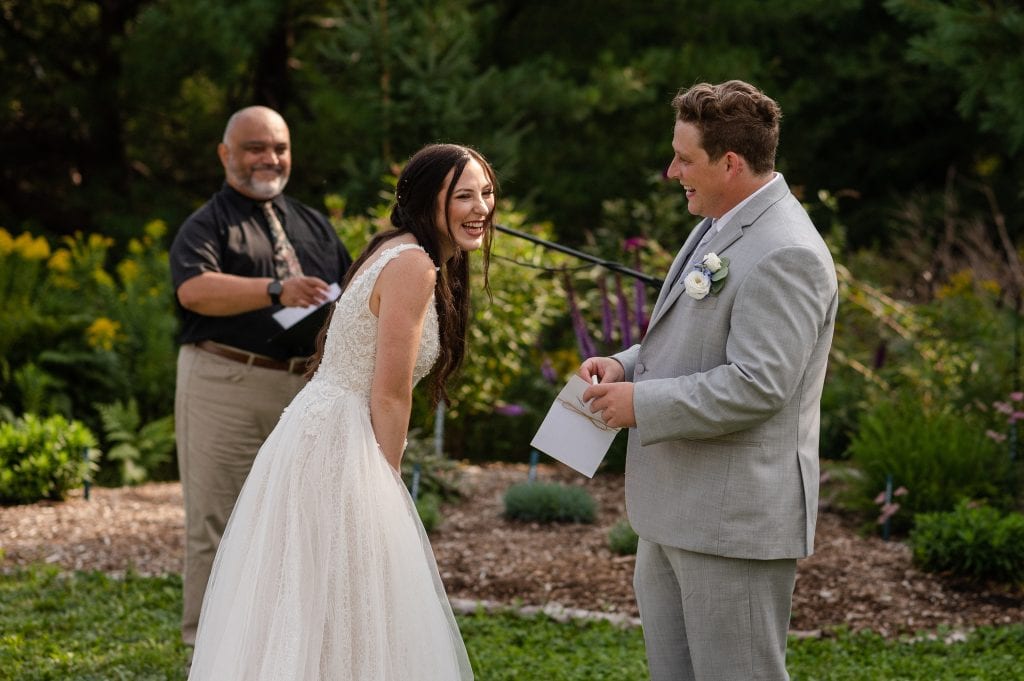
{"type": "Point", "coordinates": [400, 300]}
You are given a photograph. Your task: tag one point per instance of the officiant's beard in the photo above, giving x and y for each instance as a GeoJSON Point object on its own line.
{"type": "Point", "coordinates": [259, 189]}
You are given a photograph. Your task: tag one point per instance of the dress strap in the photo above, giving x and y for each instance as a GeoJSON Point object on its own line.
{"type": "Point", "coordinates": [393, 252]}
{"type": "Point", "coordinates": [385, 256]}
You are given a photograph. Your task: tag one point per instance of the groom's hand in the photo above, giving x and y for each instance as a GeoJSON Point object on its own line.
{"type": "Point", "coordinates": [613, 402]}
{"type": "Point", "coordinates": [606, 369]}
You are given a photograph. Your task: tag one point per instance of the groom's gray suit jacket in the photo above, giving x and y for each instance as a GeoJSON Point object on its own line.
{"type": "Point", "coordinates": [724, 457]}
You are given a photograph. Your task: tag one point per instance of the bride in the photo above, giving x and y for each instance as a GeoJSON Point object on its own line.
{"type": "Point", "coordinates": [324, 572]}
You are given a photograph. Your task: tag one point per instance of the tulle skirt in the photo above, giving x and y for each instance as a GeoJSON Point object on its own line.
{"type": "Point", "coordinates": [325, 572]}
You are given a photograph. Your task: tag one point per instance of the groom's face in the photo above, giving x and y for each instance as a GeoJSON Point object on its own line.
{"type": "Point", "coordinates": [701, 178]}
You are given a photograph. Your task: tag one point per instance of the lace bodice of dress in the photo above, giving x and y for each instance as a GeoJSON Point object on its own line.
{"type": "Point", "coordinates": [351, 344]}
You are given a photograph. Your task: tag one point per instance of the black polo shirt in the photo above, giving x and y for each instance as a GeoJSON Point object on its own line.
{"type": "Point", "coordinates": [230, 234]}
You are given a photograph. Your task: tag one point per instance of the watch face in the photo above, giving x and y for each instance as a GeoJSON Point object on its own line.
{"type": "Point", "coordinates": [274, 288]}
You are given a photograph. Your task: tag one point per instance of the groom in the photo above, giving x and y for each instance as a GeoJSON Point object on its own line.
{"type": "Point", "coordinates": [722, 401]}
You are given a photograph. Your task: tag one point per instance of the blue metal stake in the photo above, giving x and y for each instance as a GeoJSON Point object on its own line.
{"type": "Point", "coordinates": [439, 429]}
{"type": "Point", "coordinates": [85, 480]}
{"type": "Point", "coordinates": [415, 487]}
{"type": "Point", "coordinates": [531, 476]}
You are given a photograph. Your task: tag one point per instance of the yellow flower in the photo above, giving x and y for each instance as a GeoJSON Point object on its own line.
{"type": "Point", "coordinates": [128, 270]}
{"type": "Point", "coordinates": [135, 247]}
{"type": "Point", "coordinates": [155, 229]}
{"type": "Point", "coordinates": [36, 249]}
{"type": "Point", "coordinates": [31, 248]}
{"type": "Point", "coordinates": [102, 278]}
{"type": "Point", "coordinates": [102, 333]}
{"type": "Point", "coordinates": [958, 284]}
{"type": "Point", "coordinates": [991, 286]}
{"type": "Point", "coordinates": [100, 241]}
{"type": "Point", "coordinates": [6, 242]}
{"type": "Point", "coordinates": [60, 261]}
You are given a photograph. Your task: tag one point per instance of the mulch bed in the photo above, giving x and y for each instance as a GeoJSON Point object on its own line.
{"type": "Point", "coordinates": [851, 580]}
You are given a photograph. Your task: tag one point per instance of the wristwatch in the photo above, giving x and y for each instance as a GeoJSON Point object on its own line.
{"type": "Point", "coordinates": [274, 290]}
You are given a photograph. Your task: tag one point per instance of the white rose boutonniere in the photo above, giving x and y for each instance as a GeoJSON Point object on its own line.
{"type": "Point", "coordinates": [697, 283]}
{"type": "Point", "coordinates": [707, 277]}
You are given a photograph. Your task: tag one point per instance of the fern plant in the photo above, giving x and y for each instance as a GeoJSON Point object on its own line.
{"type": "Point", "coordinates": [137, 449]}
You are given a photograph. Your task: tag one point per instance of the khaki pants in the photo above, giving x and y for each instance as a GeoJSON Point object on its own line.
{"type": "Point", "coordinates": [223, 411]}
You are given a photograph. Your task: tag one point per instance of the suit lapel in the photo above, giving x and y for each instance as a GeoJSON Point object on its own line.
{"type": "Point", "coordinates": [668, 292]}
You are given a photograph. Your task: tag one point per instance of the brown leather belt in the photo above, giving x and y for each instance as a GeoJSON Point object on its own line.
{"type": "Point", "coordinates": [292, 366]}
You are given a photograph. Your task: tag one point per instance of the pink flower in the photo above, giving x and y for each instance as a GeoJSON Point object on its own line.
{"type": "Point", "coordinates": [888, 511]}
{"type": "Point", "coordinates": [633, 243]}
{"type": "Point", "coordinates": [1017, 396]}
{"type": "Point", "coordinates": [998, 437]}
{"type": "Point", "coordinates": [1003, 407]}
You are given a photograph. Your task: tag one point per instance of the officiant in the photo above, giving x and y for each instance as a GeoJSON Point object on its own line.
{"type": "Point", "coordinates": [245, 254]}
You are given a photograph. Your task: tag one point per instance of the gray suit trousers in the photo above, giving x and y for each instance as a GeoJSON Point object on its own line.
{"type": "Point", "coordinates": [710, 618]}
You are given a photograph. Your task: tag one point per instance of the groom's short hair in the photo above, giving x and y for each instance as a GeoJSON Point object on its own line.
{"type": "Point", "coordinates": [733, 116]}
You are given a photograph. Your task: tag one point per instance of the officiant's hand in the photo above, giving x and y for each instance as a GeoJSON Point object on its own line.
{"type": "Point", "coordinates": [302, 291]}
{"type": "Point", "coordinates": [613, 402]}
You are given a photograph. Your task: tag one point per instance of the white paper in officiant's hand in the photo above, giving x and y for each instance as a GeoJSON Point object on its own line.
{"type": "Point", "coordinates": [573, 434]}
{"type": "Point", "coordinates": [288, 317]}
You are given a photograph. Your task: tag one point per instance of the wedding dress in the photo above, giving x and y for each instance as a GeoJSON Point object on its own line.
{"type": "Point", "coordinates": [324, 572]}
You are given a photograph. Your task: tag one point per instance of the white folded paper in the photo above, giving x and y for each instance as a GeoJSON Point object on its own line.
{"type": "Point", "coordinates": [288, 317]}
{"type": "Point", "coordinates": [573, 434]}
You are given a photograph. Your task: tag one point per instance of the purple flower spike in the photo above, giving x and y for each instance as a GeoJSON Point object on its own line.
{"type": "Point", "coordinates": [583, 340]}
{"type": "Point", "coordinates": [606, 312]}
{"type": "Point", "coordinates": [623, 306]}
{"type": "Point", "coordinates": [641, 301]}
{"type": "Point", "coordinates": [510, 410]}
{"type": "Point", "coordinates": [547, 370]}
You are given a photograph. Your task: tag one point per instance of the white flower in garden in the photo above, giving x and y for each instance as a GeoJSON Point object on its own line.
{"type": "Point", "coordinates": [697, 284]}
{"type": "Point", "coordinates": [712, 262]}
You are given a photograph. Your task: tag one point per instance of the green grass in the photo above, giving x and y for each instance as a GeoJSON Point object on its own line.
{"type": "Point", "coordinates": [89, 627]}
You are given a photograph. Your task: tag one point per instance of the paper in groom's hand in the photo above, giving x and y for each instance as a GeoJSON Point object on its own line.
{"type": "Point", "coordinates": [572, 433]}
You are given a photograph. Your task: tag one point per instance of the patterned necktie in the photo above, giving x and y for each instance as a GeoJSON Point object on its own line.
{"type": "Point", "coordinates": [286, 263]}
{"type": "Point", "coordinates": [698, 253]}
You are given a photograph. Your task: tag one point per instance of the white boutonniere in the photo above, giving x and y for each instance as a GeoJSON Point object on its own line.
{"type": "Point", "coordinates": [707, 277]}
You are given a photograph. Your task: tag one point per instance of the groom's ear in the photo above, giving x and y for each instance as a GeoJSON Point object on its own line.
{"type": "Point", "coordinates": [734, 163]}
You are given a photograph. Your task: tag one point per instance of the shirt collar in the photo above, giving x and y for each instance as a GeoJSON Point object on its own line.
{"type": "Point", "coordinates": [248, 205]}
{"type": "Point", "coordinates": [720, 222]}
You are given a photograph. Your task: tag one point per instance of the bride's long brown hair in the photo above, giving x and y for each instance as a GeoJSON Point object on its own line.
{"type": "Point", "coordinates": [415, 212]}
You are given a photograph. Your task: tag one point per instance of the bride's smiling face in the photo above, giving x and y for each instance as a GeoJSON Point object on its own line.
{"type": "Point", "coordinates": [469, 210]}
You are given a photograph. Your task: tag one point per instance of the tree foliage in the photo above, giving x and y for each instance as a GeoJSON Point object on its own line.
{"type": "Point", "coordinates": [111, 111]}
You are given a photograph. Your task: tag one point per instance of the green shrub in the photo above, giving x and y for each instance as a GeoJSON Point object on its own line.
{"type": "Point", "coordinates": [429, 508]}
{"type": "Point", "coordinates": [549, 502]}
{"type": "Point", "coordinates": [974, 542]}
{"type": "Point", "coordinates": [939, 456]}
{"type": "Point", "coordinates": [42, 459]}
{"type": "Point", "coordinates": [842, 402]}
{"type": "Point", "coordinates": [438, 475]}
{"type": "Point", "coordinates": [622, 539]}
